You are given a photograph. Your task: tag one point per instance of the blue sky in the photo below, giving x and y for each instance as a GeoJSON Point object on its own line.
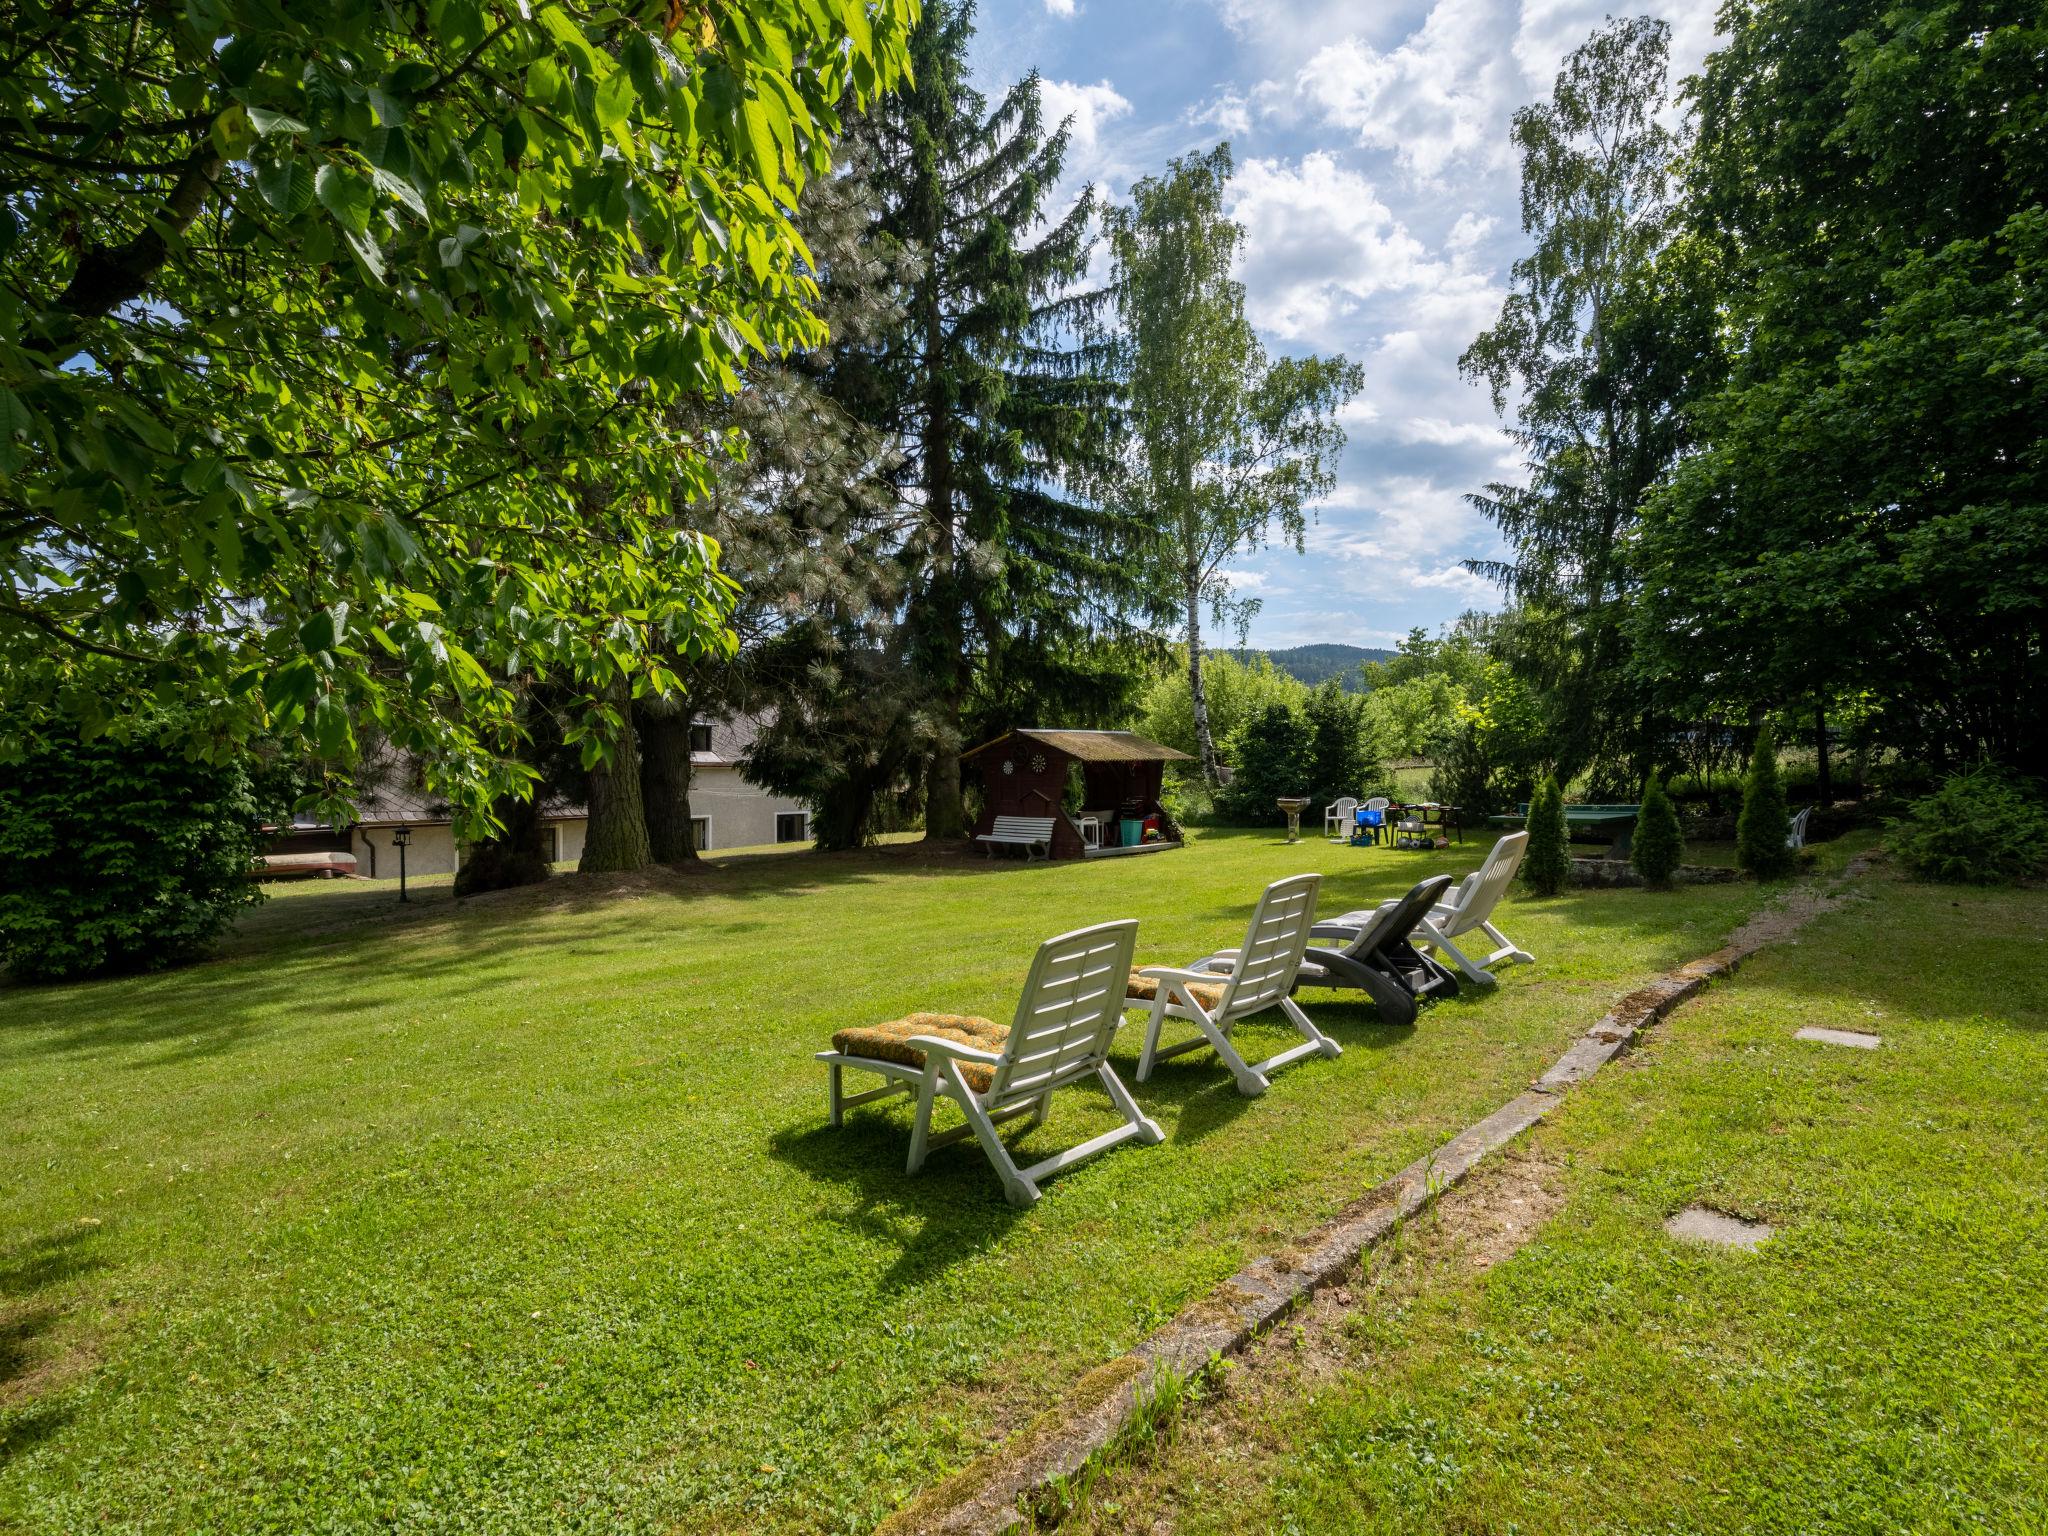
{"type": "Point", "coordinates": [1380, 198]}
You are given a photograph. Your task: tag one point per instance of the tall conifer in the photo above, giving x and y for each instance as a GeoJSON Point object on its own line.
{"type": "Point", "coordinates": [998, 404]}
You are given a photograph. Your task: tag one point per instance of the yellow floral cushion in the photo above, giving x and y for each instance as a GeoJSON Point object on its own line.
{"type": "Point", "coordinates": [1143, 989]}
{"type": "Point", "coordinates": [891, 1042]}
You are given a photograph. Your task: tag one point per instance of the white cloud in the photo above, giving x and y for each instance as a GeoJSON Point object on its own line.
{"type": "Point", "coordinates": [1318, 241]}
{"type": "Point", "coordinates": [1062, 8]}
{"type": "Point", "coordinates": [1441, 95]}
{"type": "Point", "coordinates": [1466, 234]}
{"type": "Point", "coordinates": [1090, 106]}
{"type": "Point", "coordinates": [1447, 434]}
{"type": "Point", "coordinates": [1228, 111]}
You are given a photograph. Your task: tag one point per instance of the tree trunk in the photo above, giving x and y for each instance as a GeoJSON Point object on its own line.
{"type": "Point", "coordinates": [943, 818]}
{"type": "Point", "coordinates": [615, 838]}
{"type": "Point", "coordinates": [1823, 781]}
{"type": "Point", "coordinates": [514, 857]}
{"type": "Point", "coordinates": [664, 730]}
{"type": "Point", "coordinates": [1198, 692]}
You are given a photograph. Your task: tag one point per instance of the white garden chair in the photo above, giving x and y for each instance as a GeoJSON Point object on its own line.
{"type": "Point", "coordinates": [1218, 990]}
{"type": "Point", "coordinates": [1795, 835]}
{"type": "Point", "coordinates": [1337, 819]}
{"type": "Point", "coordinates": [1071, 1009]}
{"type": "Point", "coordinates": [1468, 909]}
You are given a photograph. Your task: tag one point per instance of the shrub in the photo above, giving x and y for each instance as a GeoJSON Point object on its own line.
{"type": "Point", "coordinates": [1659, 846]}
{"type": "Point", "coordinates": [1981, 827]}
{"type": "Point", "coordinates": [1547, 861]}
{"type": "Point", "coordinates": [1271, 759]}
{"type": "Point", "coordinates": [119, 855]}
{"type": "Point", "coordinates": [1761, 829]}
{"type": "Point", "coordinates": [1340, 757]}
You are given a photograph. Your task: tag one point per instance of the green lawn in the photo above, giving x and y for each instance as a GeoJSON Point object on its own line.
{"type": "Point", "coordinates": [1881, 1364]}
{"type": "Point", "coordinates": [524, 1216]}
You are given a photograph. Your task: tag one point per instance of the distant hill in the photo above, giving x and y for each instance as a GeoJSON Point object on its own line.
{"type": "Point", "coordinates": [1313, 663]}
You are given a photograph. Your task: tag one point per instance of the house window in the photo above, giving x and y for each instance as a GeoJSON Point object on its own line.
{"type": "Point", "coordinates": [700, 833]}
{"type": "Point", "coordinates": [700, 738]}
{"type": "Point", "coordinates": [792, 826]}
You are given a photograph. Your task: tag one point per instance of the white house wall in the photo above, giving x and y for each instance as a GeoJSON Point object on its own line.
{"type": "Point", "coordinates": [742, 815]}
{"type": "Point", "coordinates": [433, 850]}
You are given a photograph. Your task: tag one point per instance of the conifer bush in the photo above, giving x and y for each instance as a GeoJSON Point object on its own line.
{"type": "Point", "coordinates": [1761, 829]}
{"type": "Point", "coordinates": [1659, 846]}
{"type": "Point", "coordinates": [1980, 827]}
{"type": "Point", "coordinates": [1547, 861]}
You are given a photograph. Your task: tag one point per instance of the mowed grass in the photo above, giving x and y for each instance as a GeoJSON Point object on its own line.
{"type": "Point", "coordinates": [1880, 1364]}
{"type": "Point", "coordinates": [524, 1216]}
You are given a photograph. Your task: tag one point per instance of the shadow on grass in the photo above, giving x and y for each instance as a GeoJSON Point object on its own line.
{"type": "Point", "coordinates": [319, 964]}
{"type": "Point", "coordinates": [948, 1212]}
{"type": "Point", "coordinates": [26, 1272]}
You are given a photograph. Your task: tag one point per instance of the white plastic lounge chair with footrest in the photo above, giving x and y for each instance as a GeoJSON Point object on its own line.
{"type": "Point", "coordinates": [1071, 1009]}
{"type": "Point", "coordinates": [1217, 991]}
{"type": "Point", "coordinates": [1468, 909]}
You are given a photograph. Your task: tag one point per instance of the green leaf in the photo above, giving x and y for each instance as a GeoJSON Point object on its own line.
{"type": "Point", "coordinates": [318, 632]}
{"type": "Point", "coordinates": [267, 122]}
{"type": "Point", "coordinates": [544, 81]}
{"type": "Point", "coordinates": [615, 98]}
{"type": "Point", "coordinates": [14, 416]}
{"type": "Point", "coordinates": [287, 185]}
{"type": "Point", "coordinates": [367, 252]}
{"type": "Point", "coordinates": [400, 188]}
{"type": "Point", "coordinates": [345, 195]}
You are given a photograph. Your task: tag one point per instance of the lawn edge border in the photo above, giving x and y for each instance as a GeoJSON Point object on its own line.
{"type": "Point", "coordinates": [987, 1497]}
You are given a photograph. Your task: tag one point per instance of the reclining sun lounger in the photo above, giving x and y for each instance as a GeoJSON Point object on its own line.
{"type": "Point", "coordinates": [1218, 990]}
{"type": "Point", "coordinates": [1071, 1009]}
{"type": "Point", "coordinates": [1469, 909]}
{"type": "Point", "coordinates": [1379, 958]}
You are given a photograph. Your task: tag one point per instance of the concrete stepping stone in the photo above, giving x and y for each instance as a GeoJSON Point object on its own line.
{"type": "Point", "coordinates": [1703, 1224]}
{"type": "Point", "coordinates": [1852, 1037]}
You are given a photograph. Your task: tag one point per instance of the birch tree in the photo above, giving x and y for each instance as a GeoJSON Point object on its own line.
{"type": "Point", "coordinates": [1229, 448]}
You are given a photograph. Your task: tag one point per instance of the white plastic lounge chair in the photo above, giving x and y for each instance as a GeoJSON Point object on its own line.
{"type": "Point", "coordinates": [1795, 837]}
{"type": "Point", "coordinates": [1468, 908]}
{"type": "Point", "coordinates": [1337, 819]}
{"type": "Point", "coordinates": [1071, 1009]}
{"type": "Point", "coordinates": [1232, 984]}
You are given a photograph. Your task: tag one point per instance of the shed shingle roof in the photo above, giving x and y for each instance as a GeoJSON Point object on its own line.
{"type": "Point", "coordinates": [1094, 746]}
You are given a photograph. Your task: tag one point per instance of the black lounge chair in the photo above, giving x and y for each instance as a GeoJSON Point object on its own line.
{"type": "Point", "coordinates": [1377, 957]}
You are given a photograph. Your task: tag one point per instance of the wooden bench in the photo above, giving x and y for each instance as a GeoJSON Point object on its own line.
{"type": "Point", "coordinates": [1027, 832]}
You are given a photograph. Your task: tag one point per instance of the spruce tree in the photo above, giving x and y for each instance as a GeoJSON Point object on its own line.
{"type": "Point", "coordinates": [806, 522]}
{"type": "Point", "coordinates": [1547, 861]}
{"type": "Point", "coordinates": [1765, 822]}
{"type": "Point", "coordinates": [999, 407]}
{"type": "Point", "coordinates": [1659, 846]}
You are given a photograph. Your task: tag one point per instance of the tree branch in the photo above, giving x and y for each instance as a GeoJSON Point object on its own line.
{"type": "Point", "coordinates": [50, 626]}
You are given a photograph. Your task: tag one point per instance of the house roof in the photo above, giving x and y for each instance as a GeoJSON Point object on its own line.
{"type": "Point", "coordinates": [1093, 746]}
{"type": "Point", "coordinates": [729, 741]}
{"type": "Point", "coordinates": [391, 793]}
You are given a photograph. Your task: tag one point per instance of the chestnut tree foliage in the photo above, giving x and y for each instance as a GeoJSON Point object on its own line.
{"type": "Point", "coordinates": [340, 346]}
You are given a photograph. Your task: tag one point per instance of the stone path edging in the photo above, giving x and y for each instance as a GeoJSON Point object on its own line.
{"type": "Point", "coordinates": [984, 1498]}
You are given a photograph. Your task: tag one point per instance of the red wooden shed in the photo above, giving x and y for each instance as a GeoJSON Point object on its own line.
{"type": "Point", "coordinates": [1026, 774]}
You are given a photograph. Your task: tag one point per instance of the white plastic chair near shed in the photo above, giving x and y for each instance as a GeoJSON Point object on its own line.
{"type": "Point", "coordinates": [1071, 1008]}
{"type": "Point", "coordinates": [1219, 990]}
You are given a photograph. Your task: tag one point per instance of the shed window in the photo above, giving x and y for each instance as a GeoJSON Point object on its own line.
{"type": "Point", "coordinates": [792, 826]}
{"type": "Point", "coordinates": [700, 738]}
